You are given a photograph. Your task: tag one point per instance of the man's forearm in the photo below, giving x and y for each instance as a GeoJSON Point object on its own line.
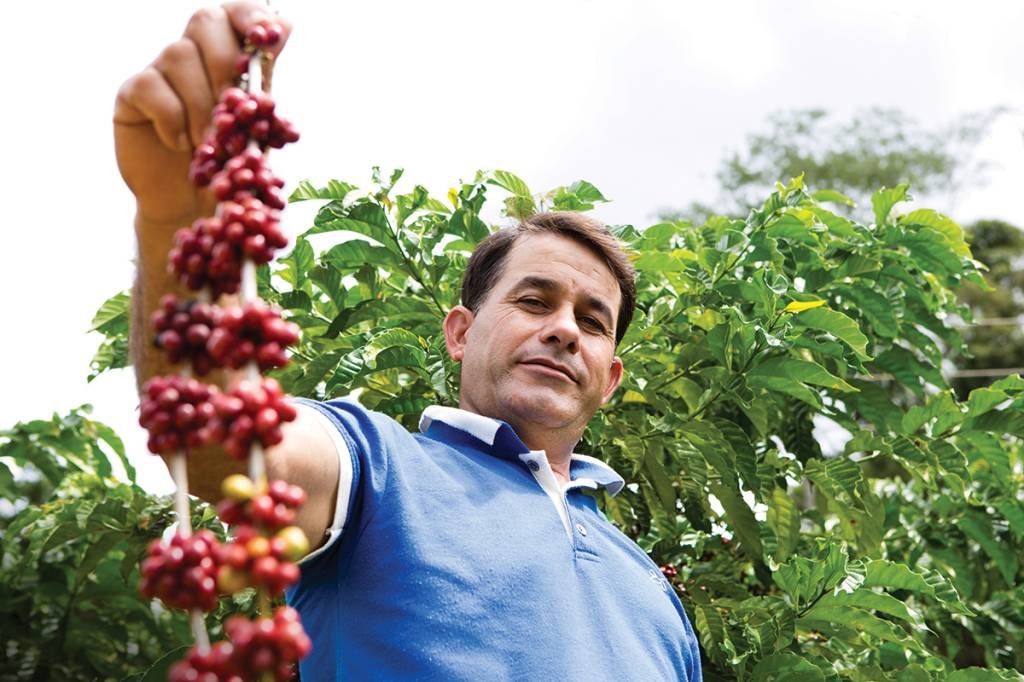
{"type": "Point", "coordinates": [209, 465]}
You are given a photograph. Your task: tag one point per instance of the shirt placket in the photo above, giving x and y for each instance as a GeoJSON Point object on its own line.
{"type": "Point", "coordinates": [537, 462]}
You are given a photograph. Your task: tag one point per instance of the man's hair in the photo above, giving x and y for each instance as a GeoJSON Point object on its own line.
{"type": "Point", "coordinates": [487, 263]}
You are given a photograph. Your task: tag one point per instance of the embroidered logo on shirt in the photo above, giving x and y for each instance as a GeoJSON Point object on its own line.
{"type": "Point", "coordinates": [658, 578]}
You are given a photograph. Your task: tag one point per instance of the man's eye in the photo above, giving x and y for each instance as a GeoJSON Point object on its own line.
{"type": "Point", "coordinates": [531, 301]}
{"type": "Point", "coordinates": [595, 324]}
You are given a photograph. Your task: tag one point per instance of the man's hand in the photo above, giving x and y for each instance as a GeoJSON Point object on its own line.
{"type": "Point", "coordinates": [162, 112]}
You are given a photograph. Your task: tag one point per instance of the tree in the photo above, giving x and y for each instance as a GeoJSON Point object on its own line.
{"type": "Point", "coordinates": [875, 148]}
{"type": "Point", "coordinates": [746, 330]}
{"type": "Point", "coordinates": [998, 342]}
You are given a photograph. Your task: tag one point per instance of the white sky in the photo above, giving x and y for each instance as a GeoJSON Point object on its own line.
{"type": "Point", "coordinates": [640, 98]}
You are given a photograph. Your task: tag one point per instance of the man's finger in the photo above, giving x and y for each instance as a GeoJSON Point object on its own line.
{"type": "Point", "coordinates": [219, 47]}
{"type": "Point", "coordinates": [182, 67]}
{"type": "Point", "coordinates": [148, 97]}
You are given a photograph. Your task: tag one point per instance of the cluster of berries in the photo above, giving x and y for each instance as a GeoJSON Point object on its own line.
{"type": "Point", "coordinates": [239, 117]}
{"type": "Point", "coordinates": [272, 510]}
{"type": "Point", "coordinates": [176, 412]}
{"type": "Point", "coordinates": [248, 173]}
{"type": "Point", "coordinates": [182, 413]}
{"type": "Point", "coordinates": [253, 559]}
{"type": "Point", "coordinates": [184, 572]}
{"type": "Point", "coordinates": [254, 332]}
{"type": "Point", "coordinates": [210, 252]}
{"type": "Point", "coordinates": [251, 412]}
{"type": "Point", "coordinates": [208, 336]}
{"type": "Point", "coordinates": [266, 648]}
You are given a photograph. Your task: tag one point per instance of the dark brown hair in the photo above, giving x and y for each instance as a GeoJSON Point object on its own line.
{"type": "Point", "coordinates": [487, 263]}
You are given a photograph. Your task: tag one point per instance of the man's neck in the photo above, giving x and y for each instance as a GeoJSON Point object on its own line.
{"type": "Point", "coordinates": [557, 447]}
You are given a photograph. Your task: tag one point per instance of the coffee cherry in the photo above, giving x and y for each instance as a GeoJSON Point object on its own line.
{"type": "Point", "coordinates": [243, 416]}
{"type": "Point", "coordinates": [183, 574]}
{"type": "Point", "coordinates": [238, 487]}
{"type": "Point", "coordinates": [247, 175]}
{"type": "Point", "coordinates": [217, 665]}
{"type": "Point", "coordinates": [255, 332]}
{"type": "Point", "coordinates": [176, 411]}
{"type": "Point", "coordinates": [669, 571]}
{"type": "Point", "coordinates": [182, 329]}
{"type": "Point", "coordinates": [267, 645]}
{"type": "Point", "coordinates": [238, 118]}
{"type": "Point", "coordinates": [203, 257]}
{"type": "Point", "coordinates": [296, 545]}
{"type": "Point", "coordinates": [265, 33]}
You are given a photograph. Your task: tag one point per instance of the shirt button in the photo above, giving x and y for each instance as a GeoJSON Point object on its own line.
{"type": "Point", "coordinates": [581, 530]}
{"type": "Point", "coordinates": [533, 465]}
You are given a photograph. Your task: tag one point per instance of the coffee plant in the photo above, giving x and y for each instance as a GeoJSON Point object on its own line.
{"type": "Point", "coordinates": [892, 553]}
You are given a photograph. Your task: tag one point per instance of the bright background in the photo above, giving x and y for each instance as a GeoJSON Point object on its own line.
{"type": "Point", "coordinates": [641, 98]}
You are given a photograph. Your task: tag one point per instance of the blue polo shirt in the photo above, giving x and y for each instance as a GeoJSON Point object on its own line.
{"type": "Point", "coordinates": [455, 554]}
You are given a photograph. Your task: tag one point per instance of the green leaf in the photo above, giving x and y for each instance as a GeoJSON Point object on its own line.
{"type": "Point", "coordinates": [511, 182]}
{"type": "Point", "coordinates": [896, 576]}
{"type": "Point", "coordinates": [838, 325]}
{"type": "Point", "coordinates": [110, 437]}
{"type": "Point", "coordinates": [884, 199]}
{"type": "Point", "coordinates": [978, 527]}
{"type": "Point", "coordinates": [786, 667]}
{"type": "Point", "coordinates": [335, 190]}
{"type": "Point", "coordinates": [784, 519]}
{"type": "Point", "coordinates": [866, 599]}
{"type": "Point", "coordinates": [112, 317]}
{"type": "Point", "coordinates": [832, 196]}
{"type": "Point", "coordinates": [579, 196]}
{"type": "Point", "coordinates": [825, 617]}
{"type": "Point", "coordinates": [799, 370]}
{"type": "Point", "coordinates": [660, 480]}
{"type": "Point", "coordinates": [950, 230]}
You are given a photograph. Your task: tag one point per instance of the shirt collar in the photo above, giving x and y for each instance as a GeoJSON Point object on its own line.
{"type": "Point", "coordinates": [498, 438]}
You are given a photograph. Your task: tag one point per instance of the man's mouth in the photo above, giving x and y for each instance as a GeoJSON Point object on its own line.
{"type": "Point", "coordinates": [554, 368]}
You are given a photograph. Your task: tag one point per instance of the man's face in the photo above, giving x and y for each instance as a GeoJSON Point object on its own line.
{"type": "Point", "coordinates": [540, 352]}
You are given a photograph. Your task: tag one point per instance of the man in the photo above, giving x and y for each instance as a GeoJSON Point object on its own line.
{"type": "Point", "coordinates": [469, 550]}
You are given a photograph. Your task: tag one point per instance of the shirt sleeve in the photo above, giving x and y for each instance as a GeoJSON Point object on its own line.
{"type": "Point", "coordinates": [363, 440]}
{"type": "Point", "coordinates": [345, 471]}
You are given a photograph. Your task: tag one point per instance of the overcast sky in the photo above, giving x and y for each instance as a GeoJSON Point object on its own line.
{"type": "Point", "coordinates": [640, 98]}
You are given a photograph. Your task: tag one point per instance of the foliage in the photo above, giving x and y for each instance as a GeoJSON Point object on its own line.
{"type": "Point", "coordinates": [874, 148]}
{"type": "Point", "coordinates": [896, 557]}
{"type": "Point", "coordinates": [69, 556]}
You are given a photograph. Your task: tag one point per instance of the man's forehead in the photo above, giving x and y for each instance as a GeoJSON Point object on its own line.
{"type": "Point", "coordinates": [546, 261]}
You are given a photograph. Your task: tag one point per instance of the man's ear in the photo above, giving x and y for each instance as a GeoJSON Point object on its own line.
{"type": "Point", "coordinates": [614, 379]}
{"type": "Point", "coordinates": [456, 326]}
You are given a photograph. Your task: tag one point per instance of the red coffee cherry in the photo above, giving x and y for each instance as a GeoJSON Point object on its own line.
{"type": "Point", "coordinates": [247, 175]}
{"type": "Point", "coordinates": [214, 666]}
{"type": "Point", "coordinates": [238, 118]}
{"type": "Point", "coordinates": [202, 257]}
{"type": "Point", "coordinates": [176, 412]}
{"type": "Point", "coordinates": [253, 333]}
{"type": "Point", "coordinates": [263, 34]}
{"type": "Point", "coordinates": [250, 412]}
{"type": "Point", "coordinates": [669, 571]}
{"type": "Point", "coordinates": [268, 645]}
{"type": "Point", "coordinates": [182, 331]}
{"type": "Point", "coordinates": [183, 573]}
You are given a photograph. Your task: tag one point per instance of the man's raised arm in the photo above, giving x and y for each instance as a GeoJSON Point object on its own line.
{"type": "Point", "coordinates": [160, 115]}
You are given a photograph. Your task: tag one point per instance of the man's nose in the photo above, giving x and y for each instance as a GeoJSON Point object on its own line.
{"type": "Point", "coordinates": [561, 328]}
